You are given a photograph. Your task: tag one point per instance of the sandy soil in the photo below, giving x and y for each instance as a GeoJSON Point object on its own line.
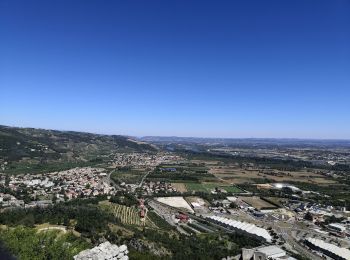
{"type": "Point", "coordinates": [181, 187]}
{"type": "Point", "coordinates": [236, 175]}
{"type": "Point", "coordinates": [176, 202]}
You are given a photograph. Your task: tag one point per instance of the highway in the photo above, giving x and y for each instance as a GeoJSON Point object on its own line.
{"type": "Point", "coordinates": [110, 180]}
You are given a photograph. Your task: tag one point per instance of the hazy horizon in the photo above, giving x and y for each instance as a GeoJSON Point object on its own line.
{"type": "Point", "coordinates": [177, 136]}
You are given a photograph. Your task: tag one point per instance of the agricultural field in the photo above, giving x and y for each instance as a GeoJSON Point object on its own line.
{"type": "Point", "coordinates": [184, 172]}
{"type": "Point", "coordinates": [207, 163]}
{"type": "Point", "coordinates": [127, 215]}
{"type": "Point", "coordinates": [236, 175]}
{"type": "Point", "coordinates": [128, 175]}
{"type": "Point", "coordinates": [208, 187]}
{"type": "Point", "coordinates": [232, 189]}
{"type": "Point", "coordinates": [257, 203]}
{"type": "Point", "coordinates": [186, 166]}
{"type": "Point", "coordinates": [276, 200]}
{"type": "Point", "coordinates": [181, 187]}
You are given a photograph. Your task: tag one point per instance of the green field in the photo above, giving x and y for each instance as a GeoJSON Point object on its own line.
{"type": "Point", "coordinates": [207, 187]}
{"type": "Point", "coordinates": [128, 175]}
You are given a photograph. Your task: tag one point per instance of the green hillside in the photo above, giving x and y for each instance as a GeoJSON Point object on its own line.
{"type": "Point", "coordinates": [23, 149]}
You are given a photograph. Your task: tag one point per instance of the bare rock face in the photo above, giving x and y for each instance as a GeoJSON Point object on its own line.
{"type": "Point", "coordinates": [105, 251]}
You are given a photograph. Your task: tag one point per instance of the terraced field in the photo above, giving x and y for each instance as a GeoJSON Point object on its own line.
{"type": "Point", "coordinates": [127, 215]}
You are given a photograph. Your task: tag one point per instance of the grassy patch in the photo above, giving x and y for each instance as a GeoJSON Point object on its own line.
{"type": "Point", "coordinates": [161, 223]}
{"type": "Point", "coordinates": [128, 175]}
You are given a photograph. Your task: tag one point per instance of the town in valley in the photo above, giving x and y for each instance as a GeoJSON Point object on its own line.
{"type": "Point", "coordinates": [289, 199]}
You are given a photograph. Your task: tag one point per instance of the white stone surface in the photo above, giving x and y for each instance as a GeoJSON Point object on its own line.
{"type": "Point", "coordinates": [105, 251]}
{"type": "Point", "coordinates": [176, 202]}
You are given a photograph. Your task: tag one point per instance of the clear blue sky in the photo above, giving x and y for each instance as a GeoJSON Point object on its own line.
{"type": "Point", "coordinates": [185, 68]}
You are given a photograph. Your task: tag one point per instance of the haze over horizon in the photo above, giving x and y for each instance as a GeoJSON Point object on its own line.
{"type": "Point", "coordinates": [176, 136]}
{"type": "Point", "coordinates": [194, 69]}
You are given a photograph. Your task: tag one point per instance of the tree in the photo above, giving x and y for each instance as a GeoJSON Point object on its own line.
{"type": "Point", "coordinates": [233, 205]}
{"type": "Point", "coordinates": [308, 216]}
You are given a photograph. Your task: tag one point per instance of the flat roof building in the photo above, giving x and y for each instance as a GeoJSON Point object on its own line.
{"type": "Point", "coordinates": [337, 227]}
{"type": "Point", "coordinates": [244, 227]}
{"type": "Point", "coordinates": [269, 252]}
{"type": "Point", "coordinates": [265, 253]}
{"type": "Point", "coordinates": [333, 251]}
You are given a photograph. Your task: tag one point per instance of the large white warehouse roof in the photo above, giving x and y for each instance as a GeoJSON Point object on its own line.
{"type": "Point", "coordinates": [339, 251]}
{"type": "Point", "coordinates": [244, 226]}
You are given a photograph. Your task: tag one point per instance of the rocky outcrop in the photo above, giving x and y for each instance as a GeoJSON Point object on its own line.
{"type": "Point", "coordinates": [105, 251]}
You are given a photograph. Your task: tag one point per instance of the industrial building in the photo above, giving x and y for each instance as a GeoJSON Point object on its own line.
{"type": "Point", "coordinates": [243, 227]}
{"type": "Point", "coordinates": [328, 249]}
{"type": "Point", "coordinates": [265, 253]}
{"type": "Point", "coordinates": [337, 227]}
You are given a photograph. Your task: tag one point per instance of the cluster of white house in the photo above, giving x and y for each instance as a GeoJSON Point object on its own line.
{"type": "Point", "coordinates": [150, 187]}
{"type": "Point", "coordinates": [143, 159]}
{"type": "Point", "coordinates": [83, 182]}
{"type": "Point", "coordinates": [244, 227]}
{"type": "Point", "coordinates": [328, 249]}
{"type": "Point", "coordinates": [8, 200]}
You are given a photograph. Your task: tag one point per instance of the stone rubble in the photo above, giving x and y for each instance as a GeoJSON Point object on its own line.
{"type": "Point", "coordinates": [105, 251]}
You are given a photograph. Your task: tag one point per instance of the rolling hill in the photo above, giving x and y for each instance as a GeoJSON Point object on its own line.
{"type": "Point", "coordinates": [41, 148]}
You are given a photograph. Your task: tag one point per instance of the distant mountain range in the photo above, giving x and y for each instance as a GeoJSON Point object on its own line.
{"type": "Point", "coordinates": [39, 145]}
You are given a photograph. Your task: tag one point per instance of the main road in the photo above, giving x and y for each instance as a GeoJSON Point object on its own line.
{"type": "Point", "coordinates": [287, 236]}
{"type": "Point", "coordinates": [110, 180]}
{"type": "Point", "coordinates": [143, 179]}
